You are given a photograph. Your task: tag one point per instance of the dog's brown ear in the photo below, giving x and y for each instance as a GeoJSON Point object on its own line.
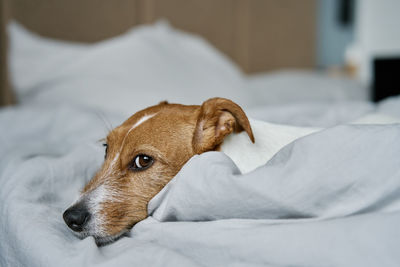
{"type": "Point", "coordinates": [218, 118]}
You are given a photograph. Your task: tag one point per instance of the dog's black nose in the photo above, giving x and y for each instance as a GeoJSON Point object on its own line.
{"type": "Point", "coordinates": [76, 217]}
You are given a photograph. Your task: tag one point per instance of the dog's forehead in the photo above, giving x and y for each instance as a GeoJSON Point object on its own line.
{"type": "Point", "coordinates": [163, 115]}
{"type": "Point", "coordinates": [139, 116]}
{"type": "Point", "coordinates": [133, 121]}
{"type": "Point", "coordinates": [163, 121]}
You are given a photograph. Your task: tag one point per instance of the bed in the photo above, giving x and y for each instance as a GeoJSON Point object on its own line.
{"type": "Point", "coordinates": [328, 199]}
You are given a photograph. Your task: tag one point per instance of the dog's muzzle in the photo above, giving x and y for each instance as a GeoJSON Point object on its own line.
{"type": "Point", "coordinates": [76, 217]}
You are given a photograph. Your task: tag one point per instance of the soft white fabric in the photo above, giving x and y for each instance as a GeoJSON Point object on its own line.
{"type": "Point", "coordinates": [149, 64]}
{"type": "Point", "coordinates": [269, 139]}
{"type": "Point", "coordinates": [377, 118]}
{"type": "Point", "coordinates": [318, 114]}
{"type": "Point", "coordinates": [327, 199]}
{"type": "Point", "coordinates": [294, 86]}
{"type": "Point", "coordinates": [330, 198]}
{"type": "Point", "coordinates": [390, 106]}
{"type": "Point", "coordinates": [140, 68]}
{"type": "Point", "coordinates": [34, 59]}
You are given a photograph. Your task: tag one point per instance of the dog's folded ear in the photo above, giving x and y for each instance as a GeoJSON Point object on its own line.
{"type": "Point", "coordinates": [218, 118]}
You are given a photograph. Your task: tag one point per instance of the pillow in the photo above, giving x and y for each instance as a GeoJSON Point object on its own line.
{"type": "Point", "coordinates": [296, 86]}
{"type": "Point", "coordinates": [390, 106]}
{"type": "Point", "coordinates": [33, 59]}
{"type": "Point", "coordinates": [142, 67]}
{"type": "Point", "coordinates": [318, 114]}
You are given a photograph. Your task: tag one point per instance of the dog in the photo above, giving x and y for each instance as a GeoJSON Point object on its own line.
{"type": "Point", "coordinates": [144, 153]}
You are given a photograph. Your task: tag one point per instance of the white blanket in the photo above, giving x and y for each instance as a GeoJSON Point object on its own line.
{"type": "Point", "coordinates": [329, 199]}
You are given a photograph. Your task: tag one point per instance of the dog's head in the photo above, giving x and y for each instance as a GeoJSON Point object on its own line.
{"type": "Point", "coordinates": [142, 155]}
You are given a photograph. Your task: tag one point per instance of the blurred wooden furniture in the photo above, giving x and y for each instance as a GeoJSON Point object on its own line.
{"type": "Point", "coordinates": [6, 96]}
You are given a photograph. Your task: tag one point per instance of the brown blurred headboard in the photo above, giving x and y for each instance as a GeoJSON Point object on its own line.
{"type": "Point", "coordinates": [259, 35]}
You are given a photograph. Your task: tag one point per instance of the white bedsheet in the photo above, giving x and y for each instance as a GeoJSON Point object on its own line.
{"type": "Point", "coordinates": [329, 199]}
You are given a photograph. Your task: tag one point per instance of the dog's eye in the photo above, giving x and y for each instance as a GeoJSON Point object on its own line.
{"type": "Point", "coordinates": [105, 153]}
{"type": "Point", "coordinates": [141, 162]}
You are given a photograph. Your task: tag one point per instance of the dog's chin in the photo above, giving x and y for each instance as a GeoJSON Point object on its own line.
{"type": "Point", "coordinates": [101, 240]}
{"type": "Point", "coordinates": [106, 240]}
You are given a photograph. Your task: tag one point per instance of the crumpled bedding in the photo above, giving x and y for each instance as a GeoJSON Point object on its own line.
{"type": "Point", "coordinates": [328, 199]}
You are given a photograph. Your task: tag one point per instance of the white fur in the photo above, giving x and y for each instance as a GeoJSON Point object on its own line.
{"type": "Point", "coordinates": [269, 139]}
{"type": "Point", "coordinates": [95, 199]}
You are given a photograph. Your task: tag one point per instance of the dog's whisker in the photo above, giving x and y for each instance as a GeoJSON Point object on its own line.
{"type": "Point", "coordinates": [108, 125]}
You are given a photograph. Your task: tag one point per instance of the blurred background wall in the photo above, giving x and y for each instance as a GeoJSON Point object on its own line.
{"type": "Point", "coordinates": [335, 31]}
{"type": "Point", "coordinates": [376, 35]}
